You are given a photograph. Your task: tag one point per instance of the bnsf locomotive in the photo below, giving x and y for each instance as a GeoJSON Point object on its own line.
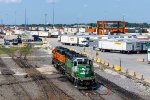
{"type": "Point", "coordinates": [77, 67]}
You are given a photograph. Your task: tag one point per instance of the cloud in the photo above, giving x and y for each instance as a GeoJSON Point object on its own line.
{"type": "Point", "coordinates": [52, 1]}
{"type": "Point", "coordinates": [10, 1]}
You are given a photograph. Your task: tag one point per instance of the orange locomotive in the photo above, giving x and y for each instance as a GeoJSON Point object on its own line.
{"type": "Point", "coordinates": [58, 55]}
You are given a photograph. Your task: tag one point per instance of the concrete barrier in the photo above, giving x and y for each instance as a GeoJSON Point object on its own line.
{"type": "Point", "coordinates": [94, 59]}
{"type": "Point", "coordinates": [147, 79]}
{"type": "Point", "coordinates": [131, 73]}
{"type": "Point", "coordinates": [139, 76]}
{"type": "Point", "coordinates": [106, 64]}
{"type": "Point", "coordinates": [123, 70]}
{"type": "Point", "coordinates": [111, 66]}
{"type": "Point", "coordinates": [140, 59]}
{"type": "Point", "coordinates": [102, 61]}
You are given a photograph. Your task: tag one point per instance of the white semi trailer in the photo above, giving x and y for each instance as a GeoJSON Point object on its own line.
{"type": "Point", "coordinates": [43, 34]}
{"type": "Point", "coordinates": [55, 34]}
{"type": "Point", "coordinates": [111, 45]}
{"type": "Point", "coordinates": [74, 40]}
{"type": "Point", "coordinates": [123, 45]}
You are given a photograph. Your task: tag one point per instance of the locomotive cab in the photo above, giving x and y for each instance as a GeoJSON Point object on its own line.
{"type": "Point", "coordinates": [83, 70]}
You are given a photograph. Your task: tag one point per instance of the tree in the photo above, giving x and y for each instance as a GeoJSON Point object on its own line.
{"type": "Point", "coordinates": [24, 51]}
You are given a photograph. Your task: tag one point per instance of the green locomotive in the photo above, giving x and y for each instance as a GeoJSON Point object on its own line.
{"type": "Point", "coordinates": [77, 67]}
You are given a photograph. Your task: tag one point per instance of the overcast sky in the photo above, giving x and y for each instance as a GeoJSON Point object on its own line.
{"type": "Point", "coordinates": [74, 11]}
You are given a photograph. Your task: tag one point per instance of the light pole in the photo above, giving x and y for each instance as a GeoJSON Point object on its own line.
{"type": "Point", "coordinates": [25, 19]}
{"type": "Point", "coordinates": [45, 18]}
{"type": "Point", "coordinates": [77, 24]}
{"type": "Point", "coordinates": [120, 62]}
{"type": "Point", "coordinates": [53, 4]}
{"type": "Point", "coordinates": [15, 18]}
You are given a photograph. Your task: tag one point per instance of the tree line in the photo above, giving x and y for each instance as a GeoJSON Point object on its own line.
{"type": "Point", "coordinates": [128, 24]}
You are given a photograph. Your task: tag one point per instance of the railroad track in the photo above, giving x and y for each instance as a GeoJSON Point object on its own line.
{"type": "Point", "coordinates": [92, 94]}
{"type": "Point", "coordinates": [126, 95]}
{"type": "Point", "coordinates": [15, 87]}
{"type": "Point", "coordinates": [11, 79]}
{"type": "Point", "coordinates": [50, 91]}
{"type": "Point", "coordinates": [48, 86]}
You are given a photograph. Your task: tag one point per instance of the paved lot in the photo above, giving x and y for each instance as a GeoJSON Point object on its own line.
{"type": "Point", "coordinates": [127, 60]}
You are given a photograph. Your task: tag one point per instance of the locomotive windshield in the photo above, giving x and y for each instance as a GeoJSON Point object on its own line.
{"type": "Point", "coordinates": [83, 61]}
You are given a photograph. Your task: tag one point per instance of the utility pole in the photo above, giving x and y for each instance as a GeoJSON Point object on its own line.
{"type": "Point", "coordinates": [25, 19]}
{"type": "Point", "coordinates": [77, 24]}
{"type": "Point", "coordinates": [15, 18]}
{"type": "Point", "coordinates": [45, 18]}
{"type": "Point", "coordinates": [53, 14]}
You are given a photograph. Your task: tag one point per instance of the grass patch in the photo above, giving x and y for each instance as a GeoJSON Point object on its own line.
{"type": "Point", "coordinates": [39, 43]}
{"type": "Point", "coordinates": [8, 50]}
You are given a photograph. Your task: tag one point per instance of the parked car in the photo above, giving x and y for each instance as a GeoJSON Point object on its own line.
{"type": "Point", "coordinates": [15, 42]}
{"type": "Point", "coordinates": [6, 42]}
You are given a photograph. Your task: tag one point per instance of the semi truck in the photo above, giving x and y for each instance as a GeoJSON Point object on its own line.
{"type": "Point", "coordinates": [55, 34]}
{"type": "Point", "coordinates": [74, 40]}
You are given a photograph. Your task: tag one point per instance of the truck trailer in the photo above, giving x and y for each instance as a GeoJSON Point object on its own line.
{"type": "Point", "coordinates": [111, 45]}
{"type": "Point", "coordinates": [122, 45]}
{"type": "Point", "coordinates": [74, 40]}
